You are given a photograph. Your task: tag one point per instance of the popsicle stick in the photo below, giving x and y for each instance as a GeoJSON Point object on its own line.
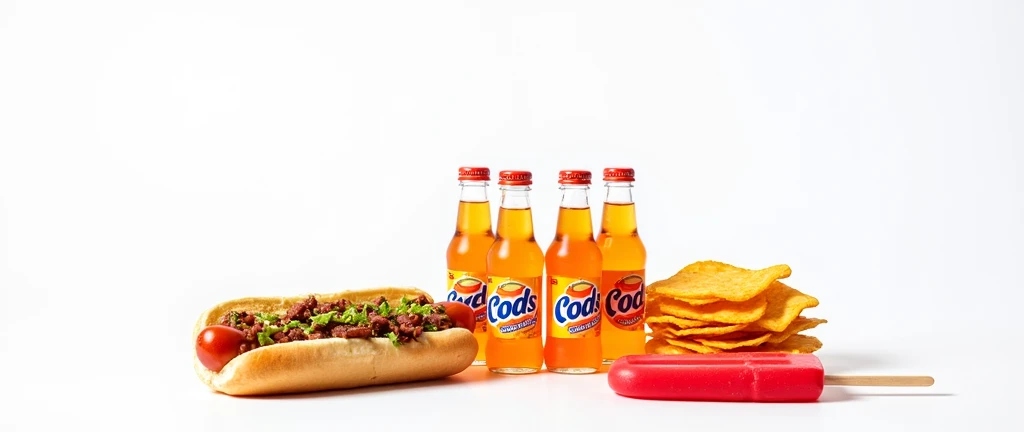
{"type": "Point", "coordinates": [880, 381]}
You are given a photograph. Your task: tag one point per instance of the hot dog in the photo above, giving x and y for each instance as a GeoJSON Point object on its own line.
{"type": "Point", "coordinates": [348, 339]}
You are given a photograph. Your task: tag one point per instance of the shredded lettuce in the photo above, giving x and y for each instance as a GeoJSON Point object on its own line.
{"type": "Point", "coordinates": [264, 338]}
{"type": "Point", "coordinates": [266, 316]}
{"type": "Point", "coordinates": [295, 324]}
{"type": "Point", "coordinates": [407, 307]}
{"type": "Point", "coordinates": [349, 316]}
{"type": "Point", "coordinates": [322, 319]}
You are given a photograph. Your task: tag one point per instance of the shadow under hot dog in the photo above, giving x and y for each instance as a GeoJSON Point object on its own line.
{"type": "Point", "coordinates": [473, 374]}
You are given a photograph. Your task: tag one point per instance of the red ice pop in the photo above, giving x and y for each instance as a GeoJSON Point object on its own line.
{"type": "Point", "coordinates": [732, 377]}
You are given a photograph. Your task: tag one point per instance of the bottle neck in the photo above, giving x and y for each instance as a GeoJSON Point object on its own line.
{"type": "Point", "coordinates": [618, 193]}
{"type": "Point", "coordinates": [515, 218]}
{"type": "Point", "coordinates": [575, 196]}
{"type": "Point", "coordinates": [473, 191]}
{"type": "Point", "coordinates": [515, 197]}
{"type": "Point", "coordinates": [619, 216]}
{"type": "Point", "coordinates": [574, 220]}
{"type": "Point", "coordinates": [474, 209]}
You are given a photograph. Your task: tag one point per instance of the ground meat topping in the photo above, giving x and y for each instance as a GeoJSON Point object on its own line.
{"type": "Point", "coordinates": [311, 319]}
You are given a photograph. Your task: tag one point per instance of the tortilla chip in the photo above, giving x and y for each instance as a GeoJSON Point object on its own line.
{"type": "Point", "coordinates": [711, 267]}
{"type": "Point", "coordinates": [653, 297]}
{"type": "Point", "coordinates": [696, 347]}
{"type": "Point", "coordinates": [784, 305]}
{"type": "Point", "coordinates": [796, 344]}
{"type": "Point", "coordinates": [659, 346]}
{"type": "Point", "coordinates": [682, 323]}
{"type": "Point", "coordinates": [668, 330]}
{"type": "Point", "coordinates": [722, 311]}
{"type": "Point", "coordinates": [733, 341]}
{"type": "Point", "coordinates": [798, 325]}
{"type": "Point", "coordinates": [731, 285]}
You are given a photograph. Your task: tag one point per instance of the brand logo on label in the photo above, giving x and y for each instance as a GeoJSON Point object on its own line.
{"type": "Point", "coordinates": [625, 302]}
{"type": "Point", "coordinates": [578, 308]}
{"type": "Point", "coordinates": [512, 306]}
{"type": "Point", "coordinates": [472, 292]}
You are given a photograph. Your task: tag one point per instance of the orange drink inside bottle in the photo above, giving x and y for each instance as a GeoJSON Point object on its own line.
{"type": "Point", "coordinates": [573, 261]}
{"type": "Point", "coordinates": [625, 259]}
{"type": "Point", "coordinates": [467, 251]}
{"type": "Point", "coordinates": [515, 269]}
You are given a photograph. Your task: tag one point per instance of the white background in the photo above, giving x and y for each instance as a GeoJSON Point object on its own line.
{"type": "Point", "coordinates": [159, 157]}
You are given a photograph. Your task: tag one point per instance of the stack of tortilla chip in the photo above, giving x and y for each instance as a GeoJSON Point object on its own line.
{"type": "Point", "coordinates": [711, 307]}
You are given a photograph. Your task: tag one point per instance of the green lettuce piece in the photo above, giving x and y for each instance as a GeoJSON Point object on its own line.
{"type": "Point", "coordinates": [295, 324]}
{"type": "Point", "coordinates": [351, 317]}
{"type": "Point", "coordinates": [407, 307]}
{"type": "Point", "coordinates": [322, 319]}
{"type": "Point", "coordinates": [265, 336]}
{"type": "Point", "coordinates": [394, 339]}
{"type": "Point", "coordinates": [266, 316]}
{"type": "Point", "coordinates": [264, 339]}
{"type": "Point", "coordinates": [422, 310]}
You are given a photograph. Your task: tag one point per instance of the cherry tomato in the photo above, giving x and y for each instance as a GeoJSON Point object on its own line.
{"type": "Point", "coordinates": [217, 345]}
{"type": "Point", "coordinates": [461, 315]}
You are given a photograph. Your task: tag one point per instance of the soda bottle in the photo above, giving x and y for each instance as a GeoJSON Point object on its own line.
{"type": "Point", "coordinates": [515, 267]}
{"type": "Point", "coordinates": [467, 251]}
{"type": "Point", "coordinates": [625, 259]}
{"type": "Point", "coordinates": [573, 263]}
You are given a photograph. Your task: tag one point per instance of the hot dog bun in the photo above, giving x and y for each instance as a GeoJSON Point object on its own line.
{"type": "Point", "coordinates": [334, 363]}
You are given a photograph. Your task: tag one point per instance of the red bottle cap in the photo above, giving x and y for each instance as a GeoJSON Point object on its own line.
{"type": "Point", "coordinates": [515, 178]}
{"type": "Point", "coordinates": [474, 174]}
{"type": "Point", "coordinates": [619, 174]}
{"type": "Point", "coordinates": [575, 177]}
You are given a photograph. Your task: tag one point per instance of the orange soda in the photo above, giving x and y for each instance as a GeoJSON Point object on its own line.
{"type": "Point", "coordinates": [467, 251]}
{"type": "Point", "coordinates": [515, 269]}
{"type": "Point", "coordinates": [625, 259]}
{"type": "Point", "coordinates": [573, 261]}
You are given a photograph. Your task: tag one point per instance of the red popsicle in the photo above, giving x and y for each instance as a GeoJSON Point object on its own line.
{"type": "Point", "coordinates": [732, 377]}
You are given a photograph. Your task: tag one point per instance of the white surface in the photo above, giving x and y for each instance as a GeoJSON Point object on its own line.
{"type": "Point", "coordinates": [158, 157]}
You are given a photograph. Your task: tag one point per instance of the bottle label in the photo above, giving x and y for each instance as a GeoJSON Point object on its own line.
{"type": "Point", "coordinates": [470, 289]}
{"type": "Point", "coordinates": [625, 299]}
{"type": "Point", "coordinates": [512, 307]}
{"type": "Point", "coordinates": [575, 306]}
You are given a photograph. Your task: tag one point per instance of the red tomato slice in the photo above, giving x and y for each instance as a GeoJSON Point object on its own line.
{"type": "Point", "coordinates": [461, 315]}
{"type": "Point", "coordinates": [217, 345]}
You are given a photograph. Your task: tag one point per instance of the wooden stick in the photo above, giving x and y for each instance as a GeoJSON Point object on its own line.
{"type": "Point", "coordinates": [880, 381]}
